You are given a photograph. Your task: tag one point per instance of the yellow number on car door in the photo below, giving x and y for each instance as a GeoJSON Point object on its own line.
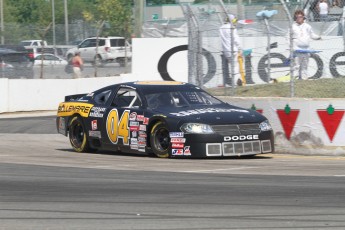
{"type": "Point", "coordinates": [118, 128]}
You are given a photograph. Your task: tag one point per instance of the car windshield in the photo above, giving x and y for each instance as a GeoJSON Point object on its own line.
{"type": "Point", "coordinates": [180, 99]}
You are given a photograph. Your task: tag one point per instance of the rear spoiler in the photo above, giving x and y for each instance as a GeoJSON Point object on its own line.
{"type": "Point", "coordinates": [74, 97]}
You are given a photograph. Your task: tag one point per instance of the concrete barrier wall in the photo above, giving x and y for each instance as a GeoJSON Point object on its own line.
{"type": "Point", "coordinates": [307, 126]}
{"type": "Point", "coordinates": [45, 94]}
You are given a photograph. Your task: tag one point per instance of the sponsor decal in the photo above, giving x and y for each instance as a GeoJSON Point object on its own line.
{"type": "Point", "coordinates": [142, 127]}
{"type": "Point", "coordinates": [134, 147]}
{"type": "Point", "coordinates": [140, 118]}
{"type": "Point", "coordinates": [177, 145]}
{"type": "Point", "coordinates": [209, 110]}
{"type": "Point", "coordinates": [241, 138]}
{"type": "Point", "coordinates": [134, 128]}
{"type": "Point", "coordinates": [146, 121]}
{"type": "Point", "coordinates": [187, 151]}
{"type": "Point", "coordinates": [177, 140]}
{"type": "Point", "coordinates": [95, 134]}
{"type": "Point", "coordinates": [330, 119]}
{"type": "Point", "coordinates": [142, 134]}
{"type": "Point", "coordinates": [142, 139]}
{"type": "Point", "coordinates": [288, 119]}
{"type": "Point", "coordinates": [176, 134]}
{"type": "Point", "coordinates": [141, 143]}
{"type": "Point", "coordinates": [134, 141]}
{"type": "Point", "coordinates": [133, 123]}
{"type": "Point", "coordinates": [70, 108]}
{"type": "Point", "coordinates": [177, 152]}
{"type": "Point", "coordinates": [133, 116]}
{"type": "Point", "coordinates": [97, 112]}
{"type": "Point", "coordinates": [94, 124]}
{"type": "Point", "coordinates": [134, 134]}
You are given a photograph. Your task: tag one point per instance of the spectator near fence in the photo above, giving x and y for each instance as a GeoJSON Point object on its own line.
{"type": "Point", "coordinates": [77, 64]}
{"type": "Point", "coordinates": [302, 35]}
{"type": "Point", "coordinates": [323, 9]}
{"type": "Point", "coordinates": [225, 35]}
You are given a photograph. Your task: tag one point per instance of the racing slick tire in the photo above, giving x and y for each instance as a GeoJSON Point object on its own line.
{"type": "Point", "coordinates": [77, 136]}
{"type": "Point", "coordinates": [160, 140]}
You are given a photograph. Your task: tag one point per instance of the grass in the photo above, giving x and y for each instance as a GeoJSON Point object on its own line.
{"type": "Point", "coordinates": [319, 88]}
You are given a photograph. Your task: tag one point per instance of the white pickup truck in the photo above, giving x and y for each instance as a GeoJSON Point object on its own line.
{"type": "Point", "coordinates": [33, 43]}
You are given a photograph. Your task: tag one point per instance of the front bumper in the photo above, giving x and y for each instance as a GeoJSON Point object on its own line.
{"type": "Point", "coordinates": [213, 145]}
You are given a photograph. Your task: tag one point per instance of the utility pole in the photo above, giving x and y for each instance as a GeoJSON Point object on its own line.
{"type": "Point", "coordinates": [139, 7]}
{"type": "Point", "coordinates": [53, 19]}
{"type": "Point", "coordinates": [66, 23]}
{"type": "Point", "coordinates": [2, 21]}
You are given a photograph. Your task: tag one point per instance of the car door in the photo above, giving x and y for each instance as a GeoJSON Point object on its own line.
{"type": "Point", "coordinates": [51, 60]}
{"type": "Point", "coordinates": [87, 49]}
{"type": "Point", "coordinates": [125, 122]}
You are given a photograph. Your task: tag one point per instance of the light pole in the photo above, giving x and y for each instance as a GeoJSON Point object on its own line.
{"type": "Point", "coordinates": [53, 17]}
{"type": "Point", "coordinates": [66, 23]}
{"type": "Point", "coordinates": [2, 21]}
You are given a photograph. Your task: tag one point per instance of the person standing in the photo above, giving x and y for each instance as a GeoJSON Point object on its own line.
{"type": "Point", "coordinates": [302, 34]}
{"type": "Point", "coordinates": [229, 52]}
{"type": "Point", "coordinates": [77, 64]}
{"type": "Point", "coordinates": [323, 10]}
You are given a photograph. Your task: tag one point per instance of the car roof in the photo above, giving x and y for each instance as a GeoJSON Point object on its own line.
{"type": "Point", "coordinates": [157, 86]}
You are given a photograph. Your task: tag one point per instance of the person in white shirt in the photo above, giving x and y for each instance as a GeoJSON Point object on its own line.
{"type": "Point", "coordinates": [323, 10]}
{"type": "Point", "coordinates": [225, 35]}
{"type": "Point", "coordinates": [302, 35]}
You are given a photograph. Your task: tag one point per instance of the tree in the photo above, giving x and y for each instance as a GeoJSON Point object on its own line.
{"type": "Point", "coordinates": [159, 2]}
{"type": "Point", "coordinates": [117, 14]}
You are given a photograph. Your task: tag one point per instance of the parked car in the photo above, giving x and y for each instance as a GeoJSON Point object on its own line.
{"type": "Point", "coordinates": [49, 60]}
{"type": "Point", "coordinates": [166, 118]}
{"type": "Point", "coordinates": [33, 43]}
{"type": "Point", "coordinates": [20, 48]}
{"type": "Point", "coordinates": [15, 64]}
{"type": "Point", "coordinates": [100, 50]}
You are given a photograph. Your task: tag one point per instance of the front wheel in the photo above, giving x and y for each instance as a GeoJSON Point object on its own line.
{"type": "Point", "coordinates": [78, 137]}
{"type": "Point", "coordinates": [160, 140]}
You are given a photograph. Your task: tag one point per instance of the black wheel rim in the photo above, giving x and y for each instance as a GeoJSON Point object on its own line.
{"type": "Point", "coordinates": [77, 135]}
{"type": "Point", "coordinates": [162, 140]}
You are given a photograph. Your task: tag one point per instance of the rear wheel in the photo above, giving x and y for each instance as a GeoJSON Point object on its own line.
{"type": "Point", "coordinates": [78, 137]}
{"type": "Point", "coordinates": [160, 140]}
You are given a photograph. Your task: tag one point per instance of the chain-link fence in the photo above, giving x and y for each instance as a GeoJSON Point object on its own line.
{"type": "Point", "coordinates": [60, 38]}
{"type": "Point", "coordinates": [268, 59]}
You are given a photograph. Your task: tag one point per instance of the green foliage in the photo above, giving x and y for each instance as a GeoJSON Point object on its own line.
{"type": "Point", "coordinates": [200, 1]}
{"type": "Point", "coordinates": [159, 2]}
{"type": "Point", "coordinates": [319, 88]}
{"type": "Point", "coordinates": [118, 13]}
{"type": "Point", "coordinates": [37, 16]}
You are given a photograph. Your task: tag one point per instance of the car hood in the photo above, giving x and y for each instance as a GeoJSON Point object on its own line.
{"type": "Point", "coordinates": [220, 114]}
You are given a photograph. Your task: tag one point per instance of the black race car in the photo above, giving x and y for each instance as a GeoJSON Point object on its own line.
{"type": "Point", "coordinates": [166, 118]}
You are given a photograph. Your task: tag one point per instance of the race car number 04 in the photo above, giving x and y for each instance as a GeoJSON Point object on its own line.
{"type": "Point", "coordinates": [118, 128]}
